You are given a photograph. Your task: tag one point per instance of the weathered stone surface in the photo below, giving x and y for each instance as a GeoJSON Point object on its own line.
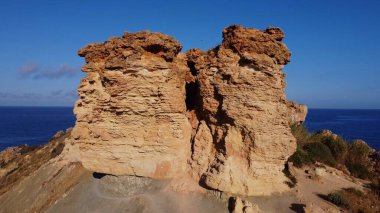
{"type": "Point", "coordinates": [242, 100]}
{"type": "Point", "coordinates": [327, 133]}
{"type": "Point", "coordinates": [202, 148]}
{"type": "Point", "coordinates": [296, 112]}
{"type": "Point", "coordinates": [131, 112]}
{"type": "Point", "coordinates": [243, 206]}
{"type": "Point", "coordinates": [221, 116]}
{"type": "Point", "coordinates": [9, 154]}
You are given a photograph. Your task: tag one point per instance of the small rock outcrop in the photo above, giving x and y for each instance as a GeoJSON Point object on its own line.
{"type": "Point", "coordinates": [220, 116]}
{"type": "Point", "coordinates": [327, 133]}
{"type": "Point", "coordinates": [239, 205]}
{"type": "Point", "coordinates": [296, 112]}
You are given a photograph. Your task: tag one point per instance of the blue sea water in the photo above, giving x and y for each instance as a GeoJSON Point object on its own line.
{"type": "Point", "coordinates": [32, 125]}
{"type": "Point", "coordinates": [36, 125]}
{"type": "Point", "coordinates": [351, 124]}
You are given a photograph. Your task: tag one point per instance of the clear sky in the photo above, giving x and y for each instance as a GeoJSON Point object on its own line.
{"type": "Point", "coordinates": [335, 44]}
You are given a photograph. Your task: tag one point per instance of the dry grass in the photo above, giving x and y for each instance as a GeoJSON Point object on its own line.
{"type": "Point", "coordinates": [355, 200]}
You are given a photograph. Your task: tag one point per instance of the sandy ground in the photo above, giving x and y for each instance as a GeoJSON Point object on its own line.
{"type": "Point", "coordinates": [131, 194]}
{"type": "Point", "coordinates": [311, 186]}
{"type": "Point", "coordinates": [71, 188]}
{"type": "Point", "coordinates": [283, 202]}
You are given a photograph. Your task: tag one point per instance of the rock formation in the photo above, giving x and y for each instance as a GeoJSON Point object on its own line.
{"type": "Point", "coordinates": [296, 112]}
{"type": "Point", "coordinates": [131, 113]}
{"type": "Point", "coordinates": [221, 116]}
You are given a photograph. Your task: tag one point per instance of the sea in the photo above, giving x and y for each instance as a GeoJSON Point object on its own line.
{"type": "Point", "coordinates": [36, 125]}
{"type": "Point", "coordinates": [351, 124]}
{"type": "Point", "coordinates": [32, 125]}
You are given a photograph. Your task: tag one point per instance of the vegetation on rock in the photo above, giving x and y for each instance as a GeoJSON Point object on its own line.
{"type": "Point", "coordinates": [353, 158]}
{"type": "Point", "coordinates": [332, 150]}
{"type": "Point", "coordinates": [355, 200]}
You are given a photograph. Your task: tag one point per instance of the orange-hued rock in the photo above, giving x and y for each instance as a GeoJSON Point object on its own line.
{"type": "Point", "coordinates": [296, 112]}
{"type": "Point", "coordinates": [131, 112]}
{"type": "Point", "coordinates": [241, 85]}
{"type": "Point", "coordinates": [220, 117]}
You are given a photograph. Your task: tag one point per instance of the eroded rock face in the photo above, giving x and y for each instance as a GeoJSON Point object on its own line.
{"type": "Point", "coordinates": [221, 116]}
{"type": "Point", "coordinates": [131, 112]}
{"type": "Point", "coordinates": [242, 101]}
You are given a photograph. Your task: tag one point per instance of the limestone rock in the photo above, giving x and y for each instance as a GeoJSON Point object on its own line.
{"type": "Point", "coordinates": [221, 116]}
{"type": "Point", "coordinates": [296, 112]}
{"type": "Point", "coordinates": [9, 154]}
{"type": "Point", "coordinates": [327, 133]}
{"type": "Point", "coordinates": [202, 149]}
{"type": "Point", "coordinates": [242, 99]}
{"type": "Point", "coordinates": [131, 112]}
{"type": "Point", "coordinates": [243, 206]}
{"type": "Point", "coordinates": [312, 208]}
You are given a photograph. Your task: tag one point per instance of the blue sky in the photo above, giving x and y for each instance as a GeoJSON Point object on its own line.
{"type": "Point", "coordinates": [335, 44]}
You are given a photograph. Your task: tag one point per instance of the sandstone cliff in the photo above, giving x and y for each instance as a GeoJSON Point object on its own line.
{"type": "Point", "coordinates": [220, 116]}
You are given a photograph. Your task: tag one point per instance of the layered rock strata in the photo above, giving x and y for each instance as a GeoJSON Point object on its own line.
{"type": "Point", "coordinates": [243, 104]}
{"type": "Point", "coordinates": [131, 112]}
{"type": "Point", "coordinates": [146, 109]}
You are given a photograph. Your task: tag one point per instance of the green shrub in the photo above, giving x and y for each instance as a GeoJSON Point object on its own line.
{"type": "Point", "coordinates": [358, 153]}
{"type": "Point", "coordinates": [357, 161]}
{"type": "Point", "coordinates": [359, 170]}
{"type": "Point", "coordinates": [300, 158]}
{"type": "Point", "coordinates": [375, 186]}
{"type": "Point", "coordinates": [337, 146]}
{"type": "Point", "coordinates": [355, 200]}
{"type": "Point", "coordinates": [320, 152]}
{"type": "Point", "coordinates": [354, 191]}
{"type": "Point", "coordinates": [300, 133]}
{"type": "Point", "coordinates": [315, 138]}
{"type": "Point", "coordinates": [337, 199]}
{"type": "Point", "coordinates": [330, 150]}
